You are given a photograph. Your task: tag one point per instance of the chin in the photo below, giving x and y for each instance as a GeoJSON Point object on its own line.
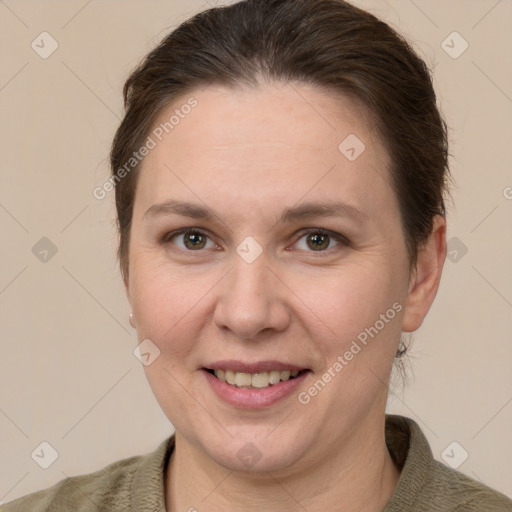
{"type": "Point", "coordinates": [252, 460]}
{"type": "Point", "coordinates": [254, 450]}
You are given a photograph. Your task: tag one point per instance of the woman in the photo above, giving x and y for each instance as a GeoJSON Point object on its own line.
{"type": "Point", "coordinates": [280, 174]}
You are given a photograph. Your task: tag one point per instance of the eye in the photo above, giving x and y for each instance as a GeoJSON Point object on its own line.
{"type": "Point", "coordinates": [190, 240]}
{"type": "Point", "coordinates": [320, 240]}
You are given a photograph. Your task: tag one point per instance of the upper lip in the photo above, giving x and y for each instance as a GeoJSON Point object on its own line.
{"type": "Point", "coordinates": [257, 367]}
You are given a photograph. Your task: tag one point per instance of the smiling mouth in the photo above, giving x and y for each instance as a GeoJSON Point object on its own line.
{"type": "Point", "coordinates": [254, 380]}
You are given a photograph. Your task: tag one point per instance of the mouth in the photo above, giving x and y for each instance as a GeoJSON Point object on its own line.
{"type": "Point", "coordinates": [254, 385]}
{"type": "Point", "coordinates": [259, 380]}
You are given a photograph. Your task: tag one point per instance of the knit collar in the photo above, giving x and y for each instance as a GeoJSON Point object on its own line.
{"type": "Point", "coordinates": [406, 443]}
{"type": "Point", "coordinates": [148, 483]}
{"type": "Point", "coordinates": [411, 452]}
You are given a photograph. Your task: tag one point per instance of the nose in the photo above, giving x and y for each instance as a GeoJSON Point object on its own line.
{"type": "Point", "coordinates": [252, 301]}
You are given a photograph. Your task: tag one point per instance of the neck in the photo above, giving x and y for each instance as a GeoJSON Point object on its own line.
{"type": "Point", "coordinates": [360, 476]}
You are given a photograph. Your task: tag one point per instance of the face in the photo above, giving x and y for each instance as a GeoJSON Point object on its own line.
{"type": "Point", "coordinates": [259, 244]}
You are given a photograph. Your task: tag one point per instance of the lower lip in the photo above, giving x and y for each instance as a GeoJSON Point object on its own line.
{"type": "Point", "coordinates": [254, 398]}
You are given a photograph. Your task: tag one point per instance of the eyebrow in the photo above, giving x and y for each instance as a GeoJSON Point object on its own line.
{"type": "Point", "coordinates": [302, 211]}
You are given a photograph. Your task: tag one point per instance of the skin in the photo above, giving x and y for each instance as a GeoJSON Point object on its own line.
{"type": "Point", "coordinates": [248, 155]}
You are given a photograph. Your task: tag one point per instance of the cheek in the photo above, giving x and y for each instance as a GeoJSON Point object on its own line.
{"type": "Point", "coordinates": [165, 300]}
{"type": "Point", "coordinates": [170, 307]}
{"type": "Point", "coordinates": [345, 301]}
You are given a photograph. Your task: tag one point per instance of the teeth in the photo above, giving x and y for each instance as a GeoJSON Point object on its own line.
{"type": "Point", "coordinates": [274, 376]}
{"type": "Point", "coordinates": [242, 379]}
{"type": "Point", "coordinates": [230, 376]}
{"type": "Point", "coordinates": [260, 380]}
{"type": "Point", "coordinates": [256, 380]}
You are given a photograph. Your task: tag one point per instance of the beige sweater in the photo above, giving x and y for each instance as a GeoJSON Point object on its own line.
{"type": "Point", "coordinates": [137, 484]}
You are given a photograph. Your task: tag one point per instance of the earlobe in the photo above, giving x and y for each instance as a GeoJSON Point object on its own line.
{"type": "Point", "coordinates": [426, 277]}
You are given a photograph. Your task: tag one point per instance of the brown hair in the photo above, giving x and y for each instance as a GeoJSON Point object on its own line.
{"type": "Point", "coordinates": [327, 43]}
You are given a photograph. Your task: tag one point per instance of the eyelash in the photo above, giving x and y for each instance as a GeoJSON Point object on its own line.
{"type": "Point", "coordinates": [340, 239]}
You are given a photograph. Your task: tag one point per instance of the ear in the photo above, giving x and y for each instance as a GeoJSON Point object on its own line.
{"type": "Point", "coordinates": [426, 276]}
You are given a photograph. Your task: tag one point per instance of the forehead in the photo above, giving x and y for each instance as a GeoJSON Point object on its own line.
{"type": "Point", "coordinates": [271, 143]}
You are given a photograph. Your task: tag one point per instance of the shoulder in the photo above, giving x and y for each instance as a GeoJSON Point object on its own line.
{"type": "Point", "coordinates": [84, 492]}
{"type": "Point", "coordinates": [427, 485]}
{"type": "Point", "coordinates": [114, 488]}
{"type": "Point", "coordinates": [460, 493]}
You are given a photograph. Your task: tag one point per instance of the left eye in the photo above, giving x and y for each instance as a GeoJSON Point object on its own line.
{"type": "Point", "coordinates": [192, 241]}
{"type": "Point", "coordinates": [319, 241]}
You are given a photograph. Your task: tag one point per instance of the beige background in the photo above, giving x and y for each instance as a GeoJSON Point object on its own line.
{"type": "Point", "coordinates": [67, 372]}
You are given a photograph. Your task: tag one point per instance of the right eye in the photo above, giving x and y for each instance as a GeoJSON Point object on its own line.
{"type": "Point", "coordinates": [190, 240]}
